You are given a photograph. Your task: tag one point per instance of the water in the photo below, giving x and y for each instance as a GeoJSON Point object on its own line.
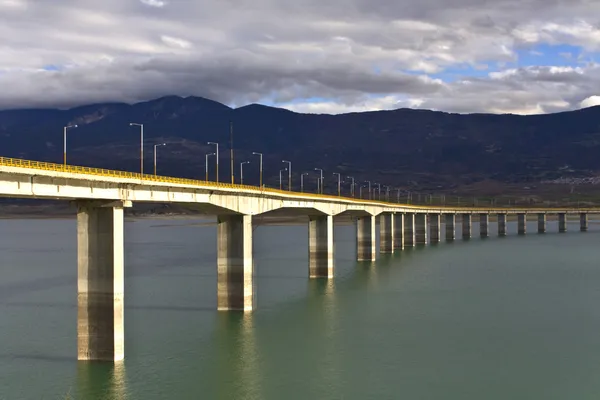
{"type": "Point", "coordinates": [500, 318]}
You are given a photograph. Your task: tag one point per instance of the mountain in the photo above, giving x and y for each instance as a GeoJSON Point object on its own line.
{"type": "Point", "coordinates": [418, 149]}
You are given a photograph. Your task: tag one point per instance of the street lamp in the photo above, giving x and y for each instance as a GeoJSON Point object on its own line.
{"type": "Point", "coordinates": [216, 153]}
{"type": "Point", "coordinates": [155, 146]}
{"type": "Point", "coordinates": [302, 181]}
{"type": "Point", "coordinates": [207, 155]}
{"type": "Point", "coordinates": [141, 146]}
{"type": "Point", "coordinates": [242, 171]}
{"type": "Point", "coordinates": [351, 185]}
{"type": "Point", "coordinates": [370, 197]}
{"type": "Point", "coordinates": [261, 166]}
{"type": "Point", "coordinates": [387, 193]}
{"type": "Point", "coordinates": [339, 183]}
{"type": "Point", "coordinates": [280, 171]}
{"type": "Point", "coordinates": [320, 181]}
{"type": "Point", "coordinates": [65, 143]}
{"type": "Point", "coordinates": [378, 190]}
{"type": "Point", "coordinates": [289, 174]}
{"type": "Point", "coordinates": [360, 190]}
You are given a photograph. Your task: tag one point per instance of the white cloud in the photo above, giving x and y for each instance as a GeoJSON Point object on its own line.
{"type": "Point", "coordinates": [349, 54]}
{"type": "Point", "coordinates": [175, 42]}
{"type": "Point", "coordinates": [154, 3]}
{"type": "Point", "coordinates": [590, 102]}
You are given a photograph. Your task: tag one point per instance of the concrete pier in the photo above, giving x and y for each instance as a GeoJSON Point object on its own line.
{"type": "Point", "coordinates": [421, 229]}
{"type": "Point", "coordinates": [522, 224]}
{"type": "Point", "coordinates": [501, 224]}
{"type": "Point", "coordinates": [386, 237]}
{"type": "Point", "coordinates": [409, 230]}
{"type": "Point", "coordinates": [235, 289]}
{"type": "Point", "coordinates": [450, 226]}
{"type": "Point", "coordinates": [366, 239]}
{"type": "Point", "coordinates": [583, 222]}
{"type": "Point", "coordinates": [320, 246]}
{"type": "Point", "coordinates": [484, 222]}
{"type": "Point", "coordinates": [466, 226]}
{"type": "Point", "coordinates": [398, 231]}
{"type": "Point", "coordinates": [434, 227]}
{"type": "Point", "coordinates": [542, 223]}
{"type": "Point", "coordinates": [562, 222]}
{"type": "Point", "coordinates": [100, 284]}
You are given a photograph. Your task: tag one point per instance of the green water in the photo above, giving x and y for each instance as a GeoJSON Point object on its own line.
{"type": "Point", "coordinates": [501, 318]}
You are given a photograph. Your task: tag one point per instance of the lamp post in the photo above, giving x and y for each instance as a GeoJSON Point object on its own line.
{"type": "Point", "coordinates": [387, 193]}
{"type": "Point", "coordinates": [155, 146]}
{"type": "Point", "coordinates": [289, 174]}
{"type": "Point", "coordinates": [141, 146]}
{"type": "Point", "coordinates": [339, 183]}
{"type": "Point", "coordinates": [216, 153]}
{"type": "Point", "coordinates": [378, 190]}
{"type": "Point", "coordinates": [260, 167]}
{"type": "Point", "coordinates": [398, 200]}
{"type": "Point", "coordinates": [280, 171]}
{"type": "Point", "coordinates": [360, 190]}
{"type": "Point", "coordinates": [302, 181]}
{"type": "Point", "coordinates": [208, 155]}
{"type": "Point", "coordinates": [370, 197]}
{"type": "Point", "coordinates": [65, 143]}
{"type": "Point", "coordinates": [351, 186]}
{"type": "Point", "coordinates": [320, 180]}
{"type": "Point", "coordinates": [242, 171]}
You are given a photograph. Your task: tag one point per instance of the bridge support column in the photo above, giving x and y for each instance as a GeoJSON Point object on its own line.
{"type": "Point", "coordinates": [100, 285]}
{"type": "Point", "coordinates": [562, 222]}
{"type": "Point", "coordinates": [421, 229]}
{"type": "Point", "coordinates": [541, 223]}
{"type": "Point", "coordinates": [366, 239]}
{"type": "Point", "coordinates": [583, 222]}
{"type": "Point", "coordinates": [386, 237]}
{"type": "Point", "coordinates": [501, 224]}
{"type": "Point", "coordinates": [398, 231]}
{"type": "Point", "coordinates": [450, 227]}
{"type": "Point", "coordinates": [320, 246]}
{"type": "Point", "coordinates": [409, 230]}
{"type": "Point", "coordinates": [434, 226]}
{"type": "Point", "coordinates": [466, 226]}
{"type": "Point", "coordinates": [235, 291]}
{"type": "Point", "coordinates": [522, 223]}
{"type": "Point", "coordinates": [484, 222]}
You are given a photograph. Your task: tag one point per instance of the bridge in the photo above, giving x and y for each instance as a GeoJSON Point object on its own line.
{"type": "Point", "coordinates": [100, 197]}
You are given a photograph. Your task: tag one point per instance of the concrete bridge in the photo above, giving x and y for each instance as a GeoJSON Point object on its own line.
{"type": "Point", "coordinates": [100, 197]}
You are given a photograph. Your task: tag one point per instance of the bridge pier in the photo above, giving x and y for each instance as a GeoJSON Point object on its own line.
{"type": "Point", "coordinates": [421, 228]}
{"type": "Point", "coordinates": [562, 222]}
{"type": "Point", "coordinates": [466, 226]}
{"type": "Point", "coordinates": [434, 226]}
{"type": "Point", "coordinates": [522, 223]}
{"type": "Point", "coordinates": [386, 237]}
{"type": "Point", "coordinates": [398, 231]}
{"type": "Point", "coordinates": [541, 222]}
{"type": "Point", "coordinates": [100, 281]}
{"type": "Point", "coordinates": [501, 224]}
{"type": "Point", "coordinates": [450, 226]}
{"type": "Point", "coordinates": [409, 230]}
{"type": "Point", "coordinates": [484, 221]}
{"type": "Point", "coordinates": [320, 246]}
{"type": "Point", "coordinates": [235, 289]}
{"type": "Point", "coordinates": [366, 238]}
{"type": "Point", "coordinates": [583, 222]}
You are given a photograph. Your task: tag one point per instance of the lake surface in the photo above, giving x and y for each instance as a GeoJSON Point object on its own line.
{"type": "Point", "coordinates": [500, 318]}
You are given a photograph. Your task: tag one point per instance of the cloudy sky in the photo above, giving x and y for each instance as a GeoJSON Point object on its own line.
{"type": "Point", "coordinates": [322, 56]}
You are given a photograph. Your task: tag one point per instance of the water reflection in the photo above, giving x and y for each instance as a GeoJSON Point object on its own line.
{"type": "Point", "coordinates": [238, 369]}
{"type": "Point", "coordinates": [101, 380]}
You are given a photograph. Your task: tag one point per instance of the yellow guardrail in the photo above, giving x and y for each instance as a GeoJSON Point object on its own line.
{"type": "Point", "coordinates": [40, 165]}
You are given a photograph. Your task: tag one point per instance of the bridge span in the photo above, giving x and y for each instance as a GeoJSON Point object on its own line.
{"type": "Point", "coordinates": [100, 197]}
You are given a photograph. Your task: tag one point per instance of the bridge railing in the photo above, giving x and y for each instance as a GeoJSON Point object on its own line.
{"type": "Point", "coordinates": [40, 165]}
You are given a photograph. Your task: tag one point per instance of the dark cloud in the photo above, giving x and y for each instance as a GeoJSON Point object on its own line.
{"type": "Point", "coordinates": [348, 54]}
